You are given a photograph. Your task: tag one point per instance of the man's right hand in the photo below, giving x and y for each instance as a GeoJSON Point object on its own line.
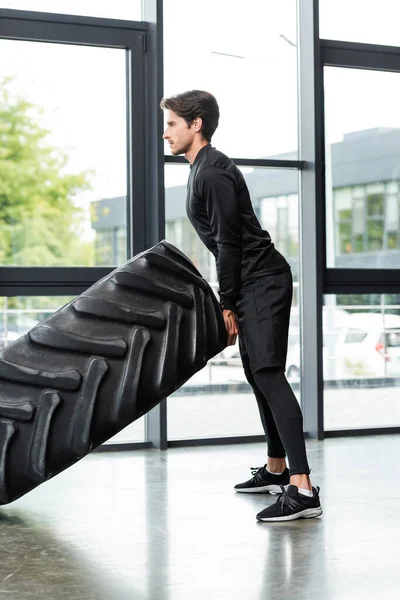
{"type": "Point", "coordinates": [231, 325]}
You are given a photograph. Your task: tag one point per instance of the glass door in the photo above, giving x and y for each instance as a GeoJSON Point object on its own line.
{"type": "Point", "coordinates": [361, 352]}
{"type": "Point", "coordinates": [72, 138]}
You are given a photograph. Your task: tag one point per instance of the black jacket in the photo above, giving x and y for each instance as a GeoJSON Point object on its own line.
{"type": "Point", "coordinates": [219, 207]}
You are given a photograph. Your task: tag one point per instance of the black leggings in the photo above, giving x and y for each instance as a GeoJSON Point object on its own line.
{"type": "Point", "coordinates": [280, 416]}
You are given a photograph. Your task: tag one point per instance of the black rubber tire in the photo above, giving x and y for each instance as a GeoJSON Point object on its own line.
{"type": "Point", "coordinates": [101, 362]}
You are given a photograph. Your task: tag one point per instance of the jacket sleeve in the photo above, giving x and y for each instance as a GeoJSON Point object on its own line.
{"type": "Point", "coordinates": [217, 188]}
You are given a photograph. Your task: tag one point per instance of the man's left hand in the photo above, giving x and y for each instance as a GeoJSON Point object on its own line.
{"type": "Point", "coordinates": [231, 325]}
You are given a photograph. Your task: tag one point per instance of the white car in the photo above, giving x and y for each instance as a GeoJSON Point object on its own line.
{"type": "Point", "coordinates": [334, 320]}
{"type": "Point", "coordinates": [371, 346]}
{"type": "Point", "coordinates": [366, 345]}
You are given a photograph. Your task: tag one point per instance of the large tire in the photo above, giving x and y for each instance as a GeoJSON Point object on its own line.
{"type": "Point", "coordinates": [100, 362]}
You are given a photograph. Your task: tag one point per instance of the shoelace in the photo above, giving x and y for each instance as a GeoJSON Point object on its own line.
{"type": "Point", "coordinates": [286, 500]}
{"type": "Point", "coordinates": [257, 473]}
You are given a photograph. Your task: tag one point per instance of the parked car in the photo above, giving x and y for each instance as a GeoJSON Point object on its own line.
{"type": "Point", "coordinates": [371, 346]}
{"type": "Point", "coordinates": [334, 321]}
{"type": "Point", "coordinates": [367, 345]}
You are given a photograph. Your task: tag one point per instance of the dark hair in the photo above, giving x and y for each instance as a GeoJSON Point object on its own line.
{"type": "Point", "coordinates": [194, 104]}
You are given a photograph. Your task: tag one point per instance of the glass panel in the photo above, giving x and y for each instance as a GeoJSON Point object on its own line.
{"type": "Point", "coordinates": [117, 9]}
{"type": "Point", "coordinates": [362, 364]}
{"type": "Point", "coordinates": [221, 384]}
{"type": "Point", "coordinates": [135, 432]}
{"type": "Point", "coordinates": [63, 156]}
{"type": "Point", "coordinates": [355, 336]}
{"type": "Point", "coordinates": [362, 125]}
{"type": "Point", "coordinates": [20, 314]}
{"type": "Point", "coordinates": [375, 205]}
{"type": "Point", "coordinates": [392, 212]}
{"type": "Point", "coordinates": [360, 21]}
{"type": "Point", "coordinates": [250, 66]}
{"type": "Point", "coordinates": [358, 217]}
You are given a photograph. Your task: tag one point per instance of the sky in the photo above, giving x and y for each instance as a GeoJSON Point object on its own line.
{"type": "Point", "coordinates": [114, 9]}
{"type": "Point", "coordinates": [245, 54]}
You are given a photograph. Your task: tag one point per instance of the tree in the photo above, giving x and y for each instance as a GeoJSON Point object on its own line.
{"type": "Point", "coordinates": [40, 224]}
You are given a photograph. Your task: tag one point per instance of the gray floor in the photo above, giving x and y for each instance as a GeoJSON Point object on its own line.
{"type": "Point", "coordinates": [167, 526]}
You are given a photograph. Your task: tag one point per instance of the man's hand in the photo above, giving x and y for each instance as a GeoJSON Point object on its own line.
{"type": "Point", "coordinates": [231, 326]}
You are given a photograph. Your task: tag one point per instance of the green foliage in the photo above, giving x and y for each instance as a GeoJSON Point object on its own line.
{"type": "Point", "coordinates": [40, 224]}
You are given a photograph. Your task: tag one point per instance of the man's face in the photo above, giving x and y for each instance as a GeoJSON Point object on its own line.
{"type": "Point", "coordinates": [178, 134]}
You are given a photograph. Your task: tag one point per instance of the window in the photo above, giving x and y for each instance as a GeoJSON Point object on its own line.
{"type": "Point", "coordinates": [117, 9]}
{"type": "Point", "coordinates": [222, 384]}
{"type": "Point", "coordinates": [362, 367]}
{"type": "Point", "coordinates": [360, 21]}
{"type": "Point", "coordinates": [362, 155]}
{"type": "Point", "coordinates": [246, 55]}
{"type": "Point", "coordinates": [18, 315]}
{"type": "Point", "coordinates": [65, 176]}
{"type": "Point", "coordinates": [355, 336]}
{"type": "Point", "coordinates": [366, 219]}
{"type": "Point", "coordinates": [392, 339]}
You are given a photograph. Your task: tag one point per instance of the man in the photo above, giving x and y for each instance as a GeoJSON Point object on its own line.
{"type": "Point", "coordinates": [255, 293]}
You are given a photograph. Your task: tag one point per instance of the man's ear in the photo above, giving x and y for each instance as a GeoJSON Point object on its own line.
{"type": "Point", "coordinates": [198, 124]}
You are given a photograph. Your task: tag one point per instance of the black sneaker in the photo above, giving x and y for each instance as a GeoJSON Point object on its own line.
{"type": "Point", "coordinates": [291, 505]}
{"type": "Point", "coordinates": [263, 481]}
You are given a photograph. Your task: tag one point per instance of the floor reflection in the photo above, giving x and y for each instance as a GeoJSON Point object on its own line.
{"type": "Point", "coordinates": [168, 526]}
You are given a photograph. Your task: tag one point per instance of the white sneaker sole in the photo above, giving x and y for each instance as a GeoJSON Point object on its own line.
{"type": "Point", "coordinates": [272, 489]}
{"type": "Point", "coordinates": [308, 513]}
